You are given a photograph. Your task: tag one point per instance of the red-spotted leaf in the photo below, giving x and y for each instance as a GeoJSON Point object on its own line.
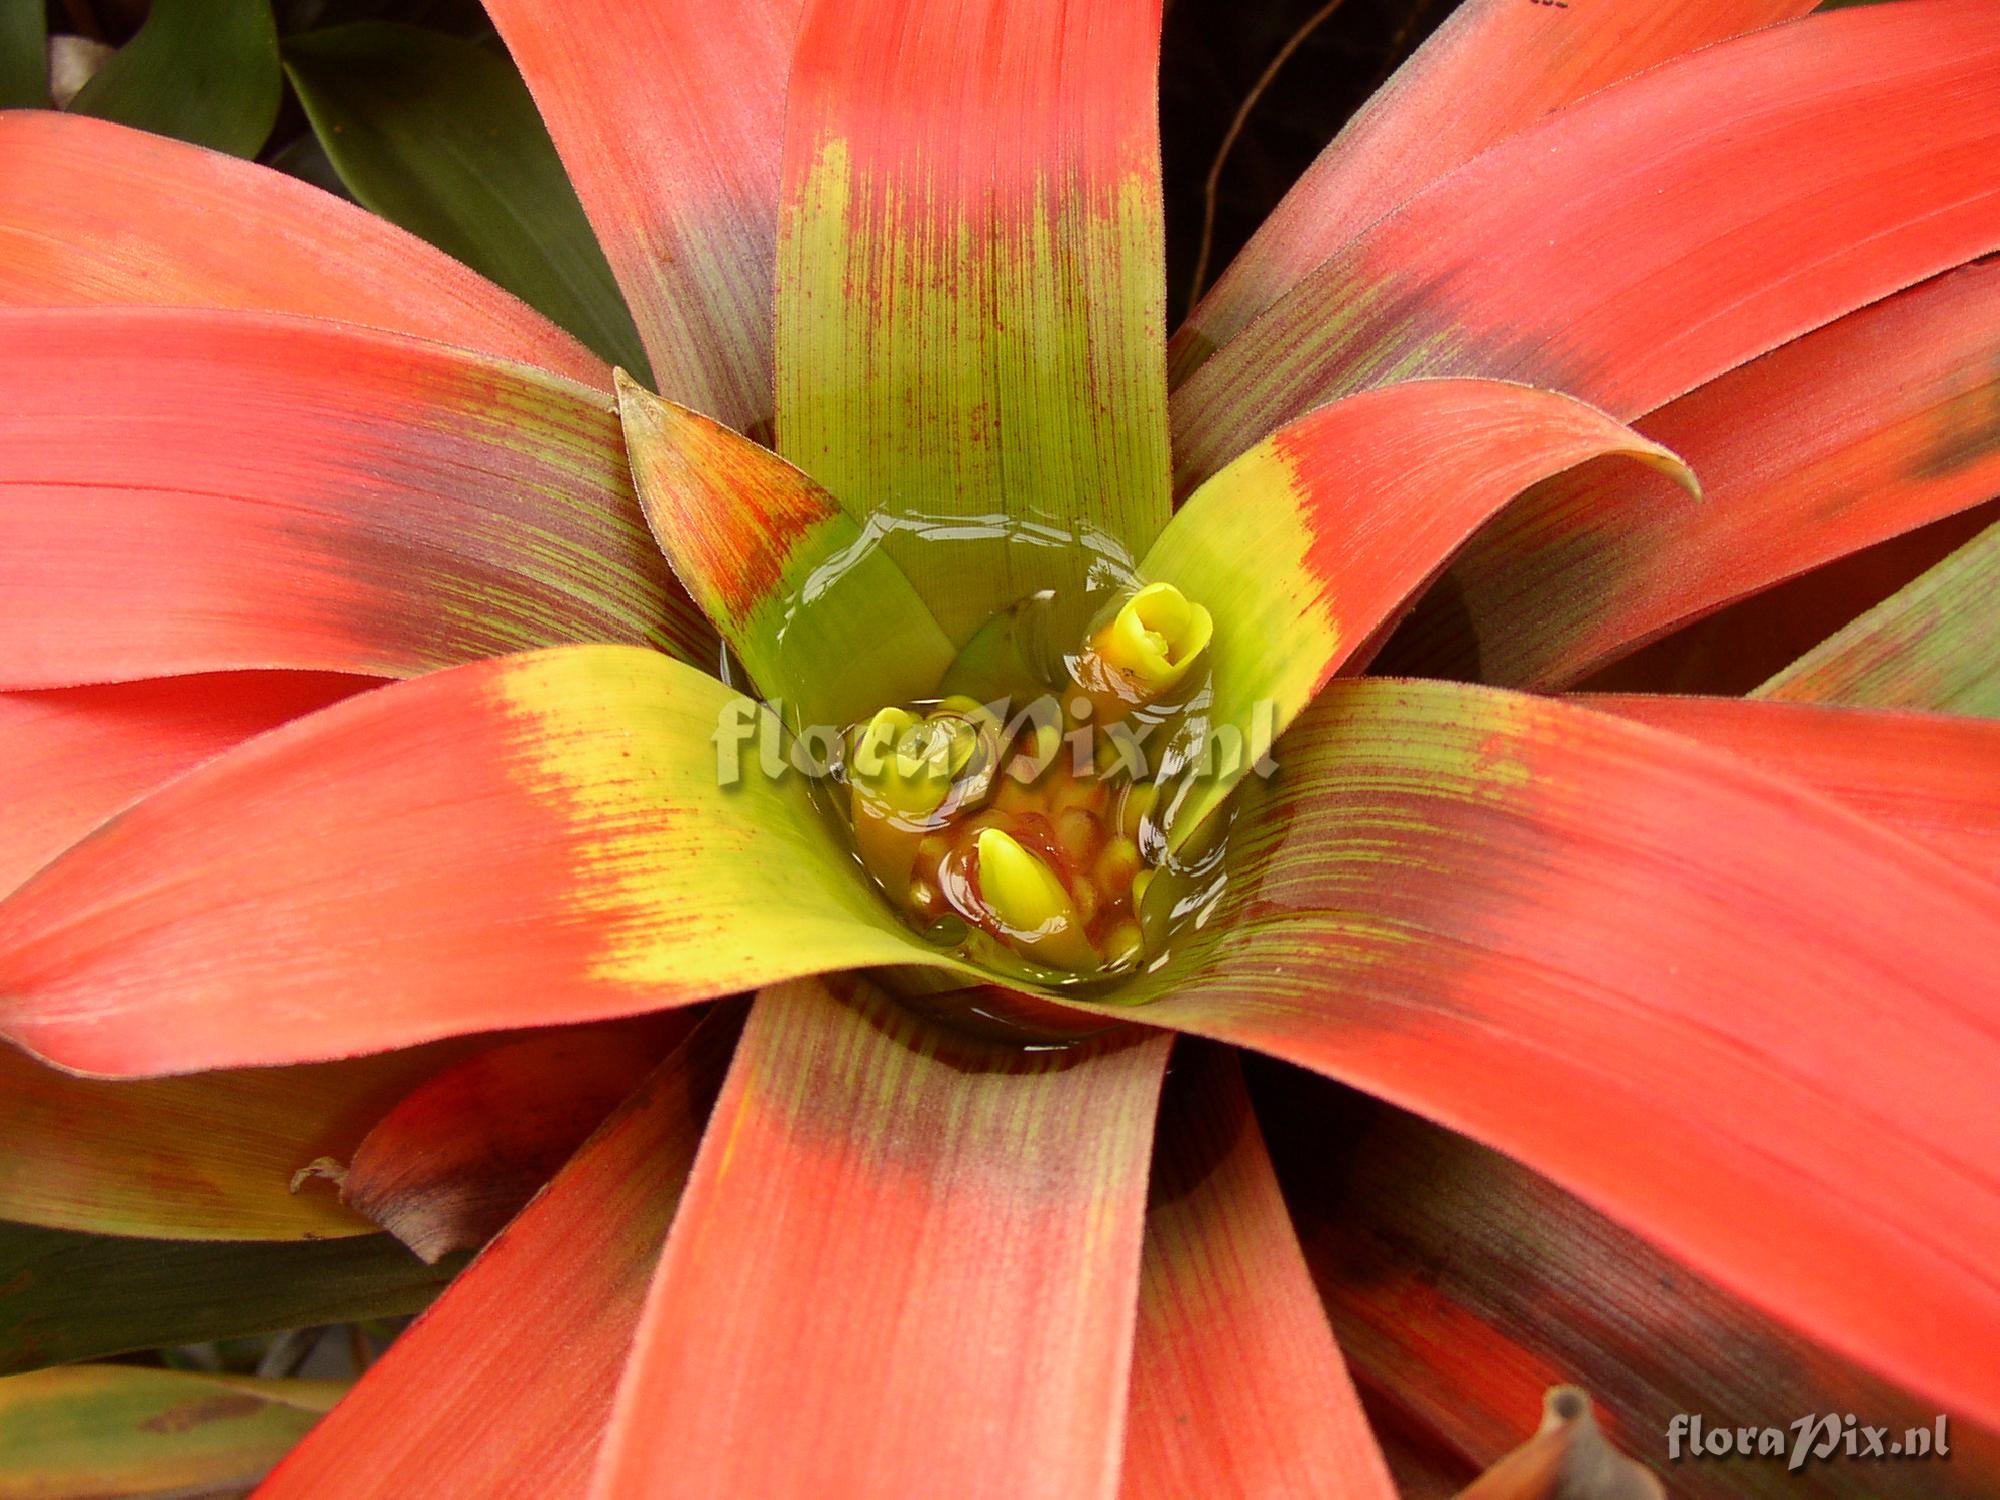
{"type": "Point", "coordinates": [669, 119]}
{"type": "Point", "coordinates": [906, 1264]}
{"type": "Point", "coordinates": [1931, 645]}
{"type": "Point", "coordinates": [506, 1383]}
{"type": "Point", "coordinates": [1462, 1286]}
{"type": "Point", "coordinates": [1653, 236]}
{"type": "Point", "coordinates": [1237, 1387]}
{"type": "Point", "coordinates": [94, 213]}
{"type": "Point", "coordinates": [70, 757]}
{"type": "Point", "coordinates": [458, 1157]}
{"type": "Point", "coordinates": [825, 622]}
{"type": "Point", "coordinates": [1735, 1016]}
{"type": "Point", "coordinates": [190, 491]}
{"type": "Point", "coordinates": [543, 839]}
{"type": "Point", "coordinates": [1932, 777]}
{"type": "Point", "coordinates": [1492, 69]}
{"type": "Point", "coordinates": [970, 293]}
{"type": "Point", "coordinates": [1307, 546]}
{"type": "Point", "coordinates": [1870, 427]}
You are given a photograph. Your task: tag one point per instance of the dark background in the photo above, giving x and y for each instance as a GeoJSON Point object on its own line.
{"type": "Point", "coordinates": [1213, 53]}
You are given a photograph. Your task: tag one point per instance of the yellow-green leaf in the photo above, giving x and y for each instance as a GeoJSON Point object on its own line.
{"type": "Point", "coordinates": [94, 1431]}
{"type": "Point", "coordinates": [1933, 644]}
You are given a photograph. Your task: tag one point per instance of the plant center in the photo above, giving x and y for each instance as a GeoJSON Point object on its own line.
{"type": "Point", "coordinates": [1022, 816]}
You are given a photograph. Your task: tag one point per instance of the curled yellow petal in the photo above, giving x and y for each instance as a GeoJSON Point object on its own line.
{"type": "Point", "coordinates": [1156, 636]}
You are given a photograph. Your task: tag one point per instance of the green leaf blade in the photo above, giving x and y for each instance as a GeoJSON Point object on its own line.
{"type": "Point", "coordinates": [66, 1296]}
{"type": "Point", "coordinates": [204, 71]}
{"type": "Point", "coordinates": [1930, 645]}
{"type": "Point", "coordinates": [440, 136]}
{"type": "Point", "coordinates": [24, 55]}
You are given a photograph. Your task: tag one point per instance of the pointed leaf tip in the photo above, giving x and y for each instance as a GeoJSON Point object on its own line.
{"type": "Point", "coordinates": [1568, 1458]}
{"type": "Point", "coordinates": [1671, 464]}
{"type": "Point", "coordinates": [1309, 545]}
{"type": "Point", "coordinates": [751, 537]}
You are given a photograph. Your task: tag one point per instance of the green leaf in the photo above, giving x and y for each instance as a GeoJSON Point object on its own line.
{"type": "Point", "coordinates": [440, 136]}
{"type": "Point", "coordinates": [305, 158]}
{"type": "Point", "coordinates": [204, 71]}
{"type": "Point", "coordinates": [67, 1296]}
{"type": "Point", "coordinates": [1932, 644]}
{"type": "Point", "coordinates": [24, 55]}
{"type": "Point", "coordinates": [754, 539]}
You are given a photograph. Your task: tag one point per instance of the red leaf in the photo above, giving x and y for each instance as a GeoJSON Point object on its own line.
{"type": "Point", "coordinates": [1493, 69]}
{"type": "Point", "coordinates": [94, 213]}
{"type": "Point", "coordinates": [755, 541]}
{"type": "Point", "coordinates": [455, 1160]}
{"type": "Point", "coordinates": [504, 1385]}
{"type": "Point", "coordinates": [1734, 1016]}
{"type": "Point", "coordinates": [71, 757]}
{"type": "Point", "coordinates": [1310, 545]}
{"type": "Point", "coordinates": [1934, 778]}
{"type": "Point", "coordinates": [533, 841]}
{"type": "Point", "coordinates": [1868, 428]}
{"type": "Point", "coordinates": [213, 1156]}
{"type": "Point", "coordinates": [1237, 1387]}
{"type": "Point", "coordinates": [906, 1264]}
{"type": "Point", "coordinates": [186, 491]}
{"type": "Point", "coordinates": [1734, 650]}
{"type": "Point", "coordinates": [1462, 1286]}
{"type": "Point", "coordinates": [1653, 236]}
{"type": "Point", "coordinates": [970, 284]}
{"type": "Point", "coordinates": [669, 120]}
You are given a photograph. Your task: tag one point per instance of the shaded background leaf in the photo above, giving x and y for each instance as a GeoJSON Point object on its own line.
{"type": "Point", "coordinates": [24, 54]}
{"type": "Point", "coordinates": [67, 1296]}
{"type": "Point", "coordinates": [439, 135]}
{"type": "Point", "coordinates": [204, 71]}
{"type": "Point", "coordinates": [305, 158]}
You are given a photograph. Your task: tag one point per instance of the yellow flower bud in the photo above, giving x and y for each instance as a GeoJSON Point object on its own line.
{"type": "Point", "coordinates": [900, 773]}
{"type": "Point", "coordinates": [1118, 866]}
{"type": "Point", "coordinates": [1156, 636]}
{"type": "Point", "coordinates": [1030, 904]}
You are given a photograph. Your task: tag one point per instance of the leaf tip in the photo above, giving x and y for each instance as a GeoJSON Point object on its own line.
{"type": "Point", "coordinates": [1671, 464]}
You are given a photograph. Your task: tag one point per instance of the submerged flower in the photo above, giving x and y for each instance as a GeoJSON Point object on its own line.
{"type": "Point", "coordinates": [1702, 991]}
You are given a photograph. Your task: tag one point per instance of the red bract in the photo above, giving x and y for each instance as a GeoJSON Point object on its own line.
{"type": "Point", "coordinates": [357, 629]}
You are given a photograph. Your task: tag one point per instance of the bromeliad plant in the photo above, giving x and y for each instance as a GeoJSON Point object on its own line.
{"type": "Point", "coordinates": [1722, 969]}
